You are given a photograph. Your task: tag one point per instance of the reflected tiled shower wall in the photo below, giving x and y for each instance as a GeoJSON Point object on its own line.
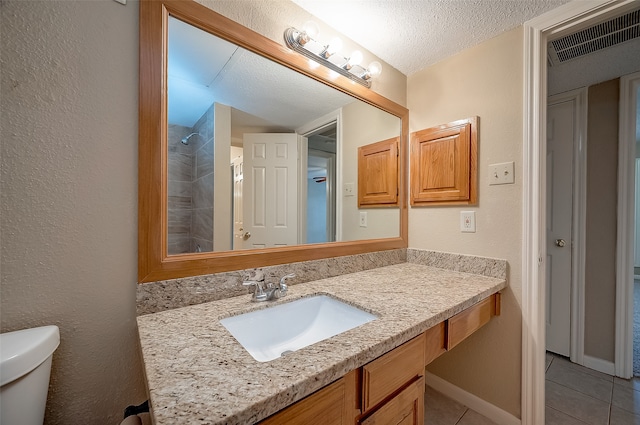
{"type": "Point", "coordinates": [179, 199]}
{"type": "Point", "coordinates": [190, 209]}
{"type": "Point", "coordinates": [202, 184]}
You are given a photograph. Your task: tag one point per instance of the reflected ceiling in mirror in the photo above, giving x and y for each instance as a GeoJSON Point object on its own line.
{"type": "Point", "coordinates": [256, 152]}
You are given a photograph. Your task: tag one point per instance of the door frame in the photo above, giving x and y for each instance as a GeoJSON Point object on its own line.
{"type": "Point", "coordinates": [629, 85]}
{"type": "Point", "coordinates": [305, 130]}
{"type": "Point", "coordinates": [331, 192]}
{"type": "Point", "coordinates": [578, 218]}
{"type": "Point", "coordinates": [564, 19]}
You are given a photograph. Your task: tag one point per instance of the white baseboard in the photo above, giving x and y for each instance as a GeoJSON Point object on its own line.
{"type": "Point", "coordinates": [473, 402]}
{"type": "Point", "coordinates": [600, 365]}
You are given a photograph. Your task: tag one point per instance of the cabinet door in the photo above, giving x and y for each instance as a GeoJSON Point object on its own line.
{"type": "Point", "coordinates": [407, 408]}
{"type": "Point", "coordinates": [444, 163]}
{"type": "Point", "coordinates": [334, 404]}
{"type": "Point", "coordinates": [378, 174]}
{"type": "Point", "coordinates": [390, 372]}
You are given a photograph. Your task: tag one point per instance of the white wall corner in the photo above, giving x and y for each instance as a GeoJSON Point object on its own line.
{"type": "Point", "coordinates": [486, 409]}
{"type": "Point", "coordinates": [625, 240]}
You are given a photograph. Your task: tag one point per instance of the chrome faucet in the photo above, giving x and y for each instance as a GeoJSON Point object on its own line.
{"type": "Point", "coordinates": [268, 292]}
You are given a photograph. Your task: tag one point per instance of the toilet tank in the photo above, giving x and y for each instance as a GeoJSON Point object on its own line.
{"type": "Point", "coordinates": [25, 367]}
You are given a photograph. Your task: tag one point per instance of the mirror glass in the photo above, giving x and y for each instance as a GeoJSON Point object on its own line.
{"type": "Point", "coordinates": [259, 155]}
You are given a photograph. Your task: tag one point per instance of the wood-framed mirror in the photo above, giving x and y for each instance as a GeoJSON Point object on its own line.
{"type": "Point", "coordinates": [163, 253]}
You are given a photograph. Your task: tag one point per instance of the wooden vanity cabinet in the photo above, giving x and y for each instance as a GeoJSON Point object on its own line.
{"type": "Point", "coordinates": [335, 404]}
{"type": "Point", "coordinates": [407, 408]}
{"type": "Point", "coordinates": [470, 320]}
{"type": "Point", "coordinates": [390, 389]}
{"type": "Point", "coordinates": [393, 386]}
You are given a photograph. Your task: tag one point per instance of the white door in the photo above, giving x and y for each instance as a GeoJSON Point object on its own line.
{"type": "Point", "coordinates": [560, 139]}
{"type": "Point", "coordinates": [238, 229]}
{"type": "Point", "coordinates": [270, 189]}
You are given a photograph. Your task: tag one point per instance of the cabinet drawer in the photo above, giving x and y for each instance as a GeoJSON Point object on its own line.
{"type": "Point", "coordinates": [390, 372]}
{"type": "Point", "coordinates": [334, 404]}
{"type": "Point", "coordinates": [435, 342]}
{"type": "Point", "coordinates": [407, 408]}
{"type": "Point", "coordinates": [470, 320]}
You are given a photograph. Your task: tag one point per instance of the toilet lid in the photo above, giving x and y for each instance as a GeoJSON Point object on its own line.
{"type": "Point", "coordinates": [22, 351]}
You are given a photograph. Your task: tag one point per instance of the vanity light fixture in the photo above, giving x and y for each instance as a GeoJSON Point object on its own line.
{"type": "Point", "coordinates": [304, 42]}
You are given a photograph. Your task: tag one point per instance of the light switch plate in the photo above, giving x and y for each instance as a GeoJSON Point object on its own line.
{"type": "Point", "coordinates": [349, 189]}
{"type": "Point", "coordinates": [468, 221]}
{"type": "Point", "coordinates": [363, 219]}
{"type": "Point", "coordinates": [502, 173]}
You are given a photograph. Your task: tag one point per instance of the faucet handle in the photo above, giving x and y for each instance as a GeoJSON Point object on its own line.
{"type": "Point", "coordinates": [258, 294]}
{"type": "Point", "coordinates": [283, 286]}
{"type": "Point", "coordinates": [285, 277]}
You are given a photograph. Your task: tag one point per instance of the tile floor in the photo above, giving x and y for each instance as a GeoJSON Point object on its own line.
{"type": "Point", "coordinates": [575, 396]}
{"type": "Point", "coordinates": [441, 410]}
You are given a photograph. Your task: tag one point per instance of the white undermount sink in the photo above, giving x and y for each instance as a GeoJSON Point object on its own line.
{"type": "Point", "coordinates": [269, 333]}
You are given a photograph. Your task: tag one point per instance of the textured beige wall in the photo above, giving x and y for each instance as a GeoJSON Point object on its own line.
{"type": "Point", "coordinates": [69, 84]}
{"type": "Point", "coordinates": [486, 81]}
{"type": "Point", "coordinates": [601, 220]}
{"type": "Point", "coordinates": [69, 171]}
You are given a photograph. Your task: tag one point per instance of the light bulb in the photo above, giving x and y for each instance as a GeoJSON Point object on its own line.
{"type": "Point", "coordinates": [309, 32]}
{"type": "Point", "coordinates": [355, 58]}
{"type": "Point", "coordinates": [374, 69]}
{"type": "Point", "coordinates": [311, 29]}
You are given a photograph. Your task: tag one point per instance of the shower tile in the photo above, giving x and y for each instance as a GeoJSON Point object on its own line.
{"type": "Point", "coordinates": [179, 195]}
{"type": "Point", "coordinates": [174, 137]}
{"type": "Point", "coordinates": [179, 222]}
{"type": "Point", "coordinates": [202, 224]}
{"type": "Point", "coordinates": [180, 167]}
{"type": "Point", "coordinates": [178, 244]}
{"type": "Point", "coordinates": [205, 245]}
{"type": "Point", "coordinates": [204, 160]}
{"type": "Point", "coordinates": [202, 191]}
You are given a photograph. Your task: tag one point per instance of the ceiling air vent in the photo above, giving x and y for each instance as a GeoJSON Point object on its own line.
{"type": "Point", "coordinates": [598, 37]}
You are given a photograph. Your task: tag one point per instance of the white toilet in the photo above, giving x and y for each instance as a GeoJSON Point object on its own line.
{"type": "Point", "coordinates": [25, 366]}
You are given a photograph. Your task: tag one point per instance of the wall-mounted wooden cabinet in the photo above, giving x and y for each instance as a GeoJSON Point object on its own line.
{"type": "Point", "coordinates": [444, 164]}
{"type": "Point", "coordinates": [378, 176]}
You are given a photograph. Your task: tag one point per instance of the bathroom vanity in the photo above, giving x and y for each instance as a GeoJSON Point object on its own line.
{"type": "Point", "coordinates": [198, 373]}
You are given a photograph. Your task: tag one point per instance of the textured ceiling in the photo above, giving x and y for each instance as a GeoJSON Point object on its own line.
{"type": "Point", "coordinates": [204, 69]}
{"type": "Point", "coordinates": [413, 34]}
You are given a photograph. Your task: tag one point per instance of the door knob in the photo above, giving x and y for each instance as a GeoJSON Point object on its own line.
{"type": "Point", "coordinates": [560, 242]}
{"type": "Point", "coordinates": [246, 236]}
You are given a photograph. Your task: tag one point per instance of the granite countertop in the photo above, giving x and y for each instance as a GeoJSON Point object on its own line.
{"type": "Point", "coordinates": [198, 373]}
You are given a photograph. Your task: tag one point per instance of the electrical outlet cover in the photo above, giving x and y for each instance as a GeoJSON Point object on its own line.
{"type": "Point", "coordinates": [468, 221]}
